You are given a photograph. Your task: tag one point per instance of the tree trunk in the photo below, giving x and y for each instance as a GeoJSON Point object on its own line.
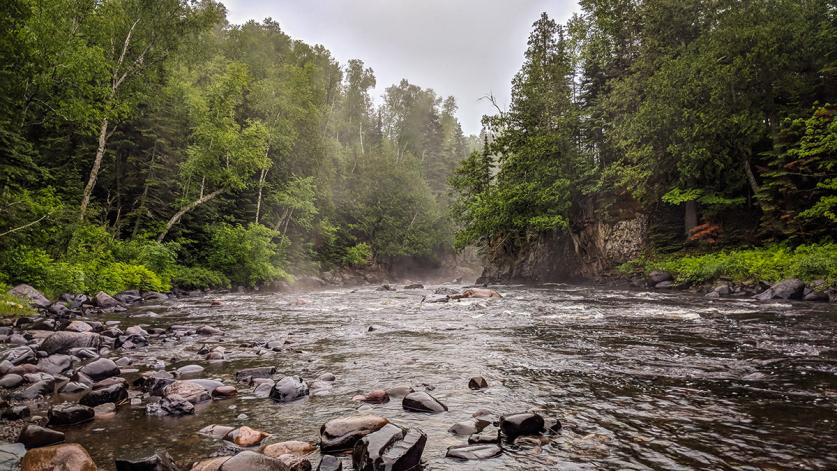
{"type": "Point", "coordinates": [194, 204]}
{"type": "Point", "coordinates": [751, 178]}
{"type": "Point", "coordinates": [259, 200]}
{"type": "Point", "coordinates": [690, 219]}
{"type": "Point", "coordinates": [94, 172]}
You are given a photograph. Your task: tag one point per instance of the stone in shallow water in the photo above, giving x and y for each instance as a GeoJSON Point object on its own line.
{"type": "Point", "coordinates": [244, 461]}
{"type": "Point", "coordinates": [343, 433]}
{"type": "Point", "coordinates": [391, 448]}
{"type": "Point", "coordinates": [192, 392]}
{"type": "Point", "coordinates": [216, 431]}
{"type": "Point", "coordinates": [422, 402]}
{"type": "Point", "coordinates": [11, 381]}
{"type": "Point", "coordinates": [55, 364]}
{"type": "Point", "coordinates": [11, 454]}
{"type": "Point", "coordinates": [189, 370]}
{"type": "Point", "coordinates": [68, 413]}
{"type": "Point", "coordinates": [114, 393]}
{"type": "Point", "coordinates": [477, 382]}
{"type": "Point", "coordinates": [473, 452]}
{"type": "Point", "coordinates": [330, 463]}
{"type": "Point", "coordinates": [246, 436]}
{"type": "Point", "coordinates": [34, 436]}
{"type": "Point", "coordinates": [171, 405]}
{"type": "Point", "coordinates": [377, 396]}
{"type": "Point", "coordinates": [490, 434]}
{"type": "Point", "coordinates": [68, 456]}
{"type": "Point", "coordinates": [527, 423]}
{"type": "Point", "coordinates": [159, 461]}
{"type": "Point", "coordinates": [289, 388]}
{"type": "Point", "coordinates": [249, 373]}
{"type": "Point", "coordinates": [100, 369]}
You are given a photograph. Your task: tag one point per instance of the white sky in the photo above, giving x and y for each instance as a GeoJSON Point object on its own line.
{"type": "Point", "coordinates": [464, 48]}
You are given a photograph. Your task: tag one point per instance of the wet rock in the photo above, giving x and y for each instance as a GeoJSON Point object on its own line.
{"type": "Point", "coordinates": [34, 436]}
{"type": "Point", "coordinates": [786, 289]}
{"type": "Point", "coordinates": [477, 382]}
{"type": "Point", "coordinates": [377, 396]}
{"type": "Point", "coordinates": [327, 377]}
{"type": "Point", "coordinates": [490, 434]}
{"type": "Point", "coordinates": [473, 452]}
{"type": "Point", "coordinates": [74, 301]}
{"type": "Point", "coordinates": [188, 390]}
{"type": "Point", "coordinates": [290, 447]}
{"type": "Point", "coordinates": [189, 370]}
{"type": "Point", "coordinates": [526, 423]}
{"type": "Point", "coordinates": [39, 389]}
{"type": "Point", "coordinates": [15, 413]}
{"type": "Point", "coordinates": [224, 392]}
{"type": "Point", "coordinates": [159, 461]}
{"type": "Point", "coordinates": [68, 456]}
{"type": "Point", "coordinates": [330, 463]}
{"type": "Point", "coordinates": [216, 431]}
{"type": "Point", "coordinates": [385, 288]}
{"type": "Point", "coordinates": [105, 301]}
{"type": "Point", "coordinates": [295, 463]}
{"type": "Point", "coordinates": [20, 355]}
{"type": "Point", "coordinates": [246, 436]}
{"type": "Point", "coordinates": [171, 405]}
{"type": "Point", "coordinates": [391, 448]}
{"type": "Point", "coordinates": [115, 393]}
{"type": "Point", "coordinates": [68, 413]}
{"type": "Point", "coordinates": [11, 454]}
{"type": "Point", "coordinates": [35, 297]}
{"type": "Point", "coordinates": [414, 286]}
{"type": "Point", "coordinates": [216, 354]}
{"type": "Point", "coordinates": [260, 372]}
{"type": "Point", "coordinates": [10, 381]}
{"type": "Point", "coordinates": [263, 389]}
{"type": "Point", "coordinates": [436, 299]}
{"type": "Point", "coordinates": [658, 277]}
{"type": "Point", "coordinates": [154, 382]}
{"type": "Point", "coordinates": [343, 433]}
{"type": "Point", "coordinates": [56, 364]}
{"type": "Point", "coordinates": [289, 388]}
{"type": "Point", "coordinates": [816, 290]}
{"type": "Point", "coordinates": [100, 369]}
{"type": "Point", "coordinates": [74, 387]}
{"type": "Point", "coordinates": [468, 427]}
{"type": "Point", "coordinates": [78, 326]}
{"type": "Point", "coordinates": [664, 285]}
{"type": "Point", "coordinates": [136, 330]}
{"type": "Point", "coordinates": [477, 293]}
{"type": "Point", "coordinates": [422, 402]}
{"type": "Point", "coordinates": [244, 461]}
{"type": "Point", "coordinates": [154, 296]}
{"type": "Point", "coordinates": [320, 388]}
{"type": "Point", "coordinates": [37, 377]}
{"type": "Point", "coordinates": [399, 391]}
{"type": "Point", "coordinates": [208, 330]}
{"type": "Point", "coordinates": [63, 342]}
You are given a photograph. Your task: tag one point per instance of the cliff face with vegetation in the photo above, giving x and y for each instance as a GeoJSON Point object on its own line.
{"type": "Point", "coordinates": [715, 120]}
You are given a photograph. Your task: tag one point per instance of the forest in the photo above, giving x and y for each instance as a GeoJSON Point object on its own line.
{"type": "Point", "coordinates": [152, 145]}
{"type": "Point", "coordinates": [146, 145]}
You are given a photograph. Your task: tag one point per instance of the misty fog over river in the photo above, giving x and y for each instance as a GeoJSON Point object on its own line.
{"type": "Point", "coordinates": [639, 380]}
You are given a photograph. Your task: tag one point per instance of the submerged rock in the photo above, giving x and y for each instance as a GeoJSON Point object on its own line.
{"type": "Point", "coordinates": [68, 413]}
{"type": "Point", "coordinates": [477, 382]}
{"type": "Point", "coordinates": [216, 431]}
{"type": "Point", "coordinates": [159, 461]}
{"type": "Point", "coordinates": [422, 402]}
{"type": "Point", "coordinates": [250, 373]}
{"type": "Point", "coordinates": [391, 448]}
{"type": "Point", "coordinates": [289, 388]}
{"type": "Point", "coordinates": [377, 396]}
{"type": "Point", "coordinates": [473, 452]}
{"type": "Point", "coordinates": [343, 433]}
{"type": "Point", "coordinates": [69, 456]}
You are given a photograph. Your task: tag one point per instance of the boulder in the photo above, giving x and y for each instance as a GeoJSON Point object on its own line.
{"type": "Point", "coordinates": [343, 433]}
{"type": "Point", "coordinates": [657, 276]}
{"type": "Point", "coordinates": [128, 297]}
{"type": "Point", "coordinates": [41, 388]}
{"type": "Point", "coordinates": [245, 461]}
{"type": "Point", "coordinates": [100, 369]}
{"type": "Point", "coordinates": [526, 423]}
{"type": "Point", "coordinates": [188, 390]}
{"type": "Point", "coordinates": [489, 434]}
{"type": "Point", "coordinates": [56, 364]}
{"type": "Point", "coordinates": [246, 436]}
{"type": "Point", "coordinates": [208, 330]}
{"type": "Point", "coordinates": [114, 393]}
{"type": "Point", "coordinates": [422, 402]}
{"type": "Point", "coordinates": [330, 463]}
{"type": "Point", "coordinates": [20, 355]}
{"type": "Point", "coordinates": [377, 396]}
{"type": "Point", "coordinates": [468, 427]}
{"type": "Point", "coordinates": [223, 392]}
{"type": "Point", "coordinates": [15, 413]}
{"type": "Point", "coordinates": [35, 297]}
{"type": "Point", "coordinates": [189, 370]}
{"type": "Point", "coordinates": [216, 431]}
{"type": "Point", "coordinates": [159, 461]}
{"type": "Point", "coordinates": [79, 326]}
{"type": "Point", "coordinates": [391, 448]}
{"type": "Point", "coordinates": [477, 382]}
{"type": "Point", "coordinates": [664, 285]}
{"type": "Point", "coordinates": [105, 301]}
{"type": "Point", "coordinates": [11, 454]}
{"type": "Point", "coordinates": [290, 447]}
{"type": "Point", "coordinates": [473, 452]}
{"type": "Point", "coordinates": [289, 388]}
{"type": "Point", "coordinates": [34, 436]}
{"type": "Point", "coordinates": [154, 296]}
{"type": "Point", "coordinates": [171, 405]}
{"type": "Point", "coordinates": [63, 342]}
{"type": "Point", "coordinates": [263, 389]}
{"type": "Point", "coordinates": [68, 413]}
{"type": "Point", "coordinates": [11, 381]}
{"type": "Point", "coordinates": [786, 289]}
{"type": "Point", "coordinates": [816, 290]}
{"type": "Point", "coordinates": [68, 456]}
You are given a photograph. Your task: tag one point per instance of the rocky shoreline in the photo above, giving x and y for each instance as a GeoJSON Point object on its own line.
{"type": "Point", "coordinates": [63, 368]}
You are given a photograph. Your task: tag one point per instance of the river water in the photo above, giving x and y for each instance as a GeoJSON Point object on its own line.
{"type": "Point", "coordinates": [640, 380]}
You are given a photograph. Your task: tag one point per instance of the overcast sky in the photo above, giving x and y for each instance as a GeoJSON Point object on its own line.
{"type": "Point", "coordinates": [464, 48]}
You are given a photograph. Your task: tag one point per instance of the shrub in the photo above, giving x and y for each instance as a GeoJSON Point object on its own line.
{"type": "Point", "coordinates": [198, 278]}
{"type": "Point", "coordinates": [161, 258]}
{"type": "Point", "coordinates": [247, 255]}
{"type": "Point", "coordinates": [358, 255]}
{"type": "Point", "coordinates": [119, 276]}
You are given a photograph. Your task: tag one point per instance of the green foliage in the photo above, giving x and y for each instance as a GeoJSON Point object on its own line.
{"type": "Point", "coordinates": [246, 255]}
{"type": "Point", "coordinates": [773, 263]}
{"type": "Point", "coordinates": [198, 278]}
{"type": "Point", "coordinates": [358, 255]}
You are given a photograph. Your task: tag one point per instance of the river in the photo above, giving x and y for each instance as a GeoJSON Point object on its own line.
{"type": "Point", "coordinates": [639, 379]}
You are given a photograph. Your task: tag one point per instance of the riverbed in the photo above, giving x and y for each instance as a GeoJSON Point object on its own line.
{"type": "Point", "coordinates": [639, 379]}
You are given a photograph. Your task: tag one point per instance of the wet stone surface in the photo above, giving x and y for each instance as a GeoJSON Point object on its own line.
{"type": "Point", "coordinates": [638, 379]}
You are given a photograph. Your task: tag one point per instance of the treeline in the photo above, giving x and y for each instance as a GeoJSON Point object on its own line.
{"type": "Point", "coordinates": [150, 144]}
{"type": "Point", "coordinates": [719, 112]}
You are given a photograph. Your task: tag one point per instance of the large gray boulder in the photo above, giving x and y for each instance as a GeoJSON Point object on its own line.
{"type": "Point", "coordinates": [391, 448]}
{"type": "Point", "coordinates": [343, 433]}
{"type": "Point", "coordinates": [791, 288]}
{"type": "Point", "coordinates": [35, 297]}
{"type": "Point", "coordinates": [63, 342]}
